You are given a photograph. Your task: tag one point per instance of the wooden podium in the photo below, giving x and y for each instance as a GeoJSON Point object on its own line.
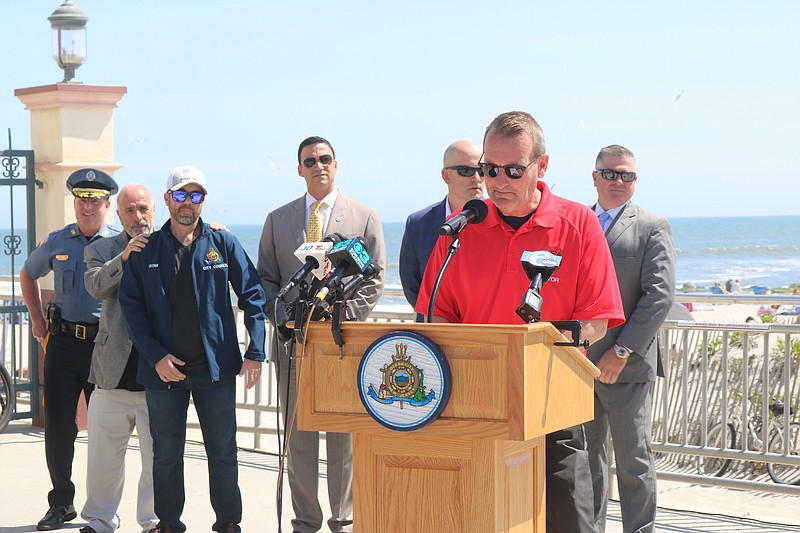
{"type": "Point", "coordinates": [479, 467]}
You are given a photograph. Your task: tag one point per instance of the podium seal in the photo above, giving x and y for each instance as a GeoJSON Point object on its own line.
{"type": "Point", "coordinates": [404, 380]}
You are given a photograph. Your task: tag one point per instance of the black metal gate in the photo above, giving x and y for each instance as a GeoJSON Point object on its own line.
{"type": "Point", "coordinates": [18, 349]}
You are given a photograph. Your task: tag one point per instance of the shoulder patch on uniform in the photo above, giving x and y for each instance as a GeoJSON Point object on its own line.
{"type": "Point", "coordinates": [62, 257]}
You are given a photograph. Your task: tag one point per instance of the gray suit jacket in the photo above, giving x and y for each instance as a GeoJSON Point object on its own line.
{"type": "Point", "coordinates": [644, 257]}
{"type": "Point", "coordinates": [112, 346]}
{"type": "Point", "coordinates": [284, 231]}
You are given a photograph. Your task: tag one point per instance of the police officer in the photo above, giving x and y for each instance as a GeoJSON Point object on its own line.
{"type": "Point", "coordinates": [68, 333]}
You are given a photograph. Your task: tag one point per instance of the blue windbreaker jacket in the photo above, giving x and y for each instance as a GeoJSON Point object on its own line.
{"type": "Point", "coordinates": [218, 261]}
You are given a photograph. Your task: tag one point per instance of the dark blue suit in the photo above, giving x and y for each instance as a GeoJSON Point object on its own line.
{"type": "Point", "coordinates": [419, 239]}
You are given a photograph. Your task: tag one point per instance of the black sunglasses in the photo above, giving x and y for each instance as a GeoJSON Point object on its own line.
{"type": "Point", "coordinates": [196, 197]}
{"type": "Point", "coordinates": [514, 172]}
{"type": "Point", "coordinates": [613, 175]}
{"type": "Point", "coordinates": [326, 159]}
{"type": "Point", "coordinates": [466, 171]}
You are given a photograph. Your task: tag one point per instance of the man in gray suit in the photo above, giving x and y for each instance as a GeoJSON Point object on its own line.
{"type": "Point", "coordinates": [628, 359]}
{"type": "Point", "coordinates": [118, 402]}
{"type": "Point", "coordinates": [285, 229]}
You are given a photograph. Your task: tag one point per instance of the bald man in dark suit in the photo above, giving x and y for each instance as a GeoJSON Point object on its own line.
{"type": "Point", "coordinates": [464, 181]}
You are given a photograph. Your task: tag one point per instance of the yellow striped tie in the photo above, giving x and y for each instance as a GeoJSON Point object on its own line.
{"type": "Point", "coordinates": [314, 231]}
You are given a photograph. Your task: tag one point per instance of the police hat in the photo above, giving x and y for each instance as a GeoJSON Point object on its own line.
{"type": "Point", "coordinates": [91, 183]}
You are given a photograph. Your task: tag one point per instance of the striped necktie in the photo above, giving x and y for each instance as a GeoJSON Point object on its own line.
{"type": "Point", "coordinates": [314, 231]}
{"type": "Point", "coordinates": [604, 219]}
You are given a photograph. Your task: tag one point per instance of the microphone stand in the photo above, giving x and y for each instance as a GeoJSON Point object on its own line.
{"type": "Point", "coordinates": [451, 251]}
{"type": "Point", "coordinates": [336, 320]}
{"type": "Point", "coordinates": [300, 311]}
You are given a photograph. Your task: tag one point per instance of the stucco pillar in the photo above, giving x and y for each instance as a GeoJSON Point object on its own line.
{"type": "Point", "coordinates": [72, 127]}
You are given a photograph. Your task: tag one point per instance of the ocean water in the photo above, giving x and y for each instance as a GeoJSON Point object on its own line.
{"type": "Point", "coordinates": [758, 251]}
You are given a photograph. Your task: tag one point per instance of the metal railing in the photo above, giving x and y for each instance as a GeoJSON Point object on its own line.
{"type": "Point", "coordinates": [730, 399]}
{"type": "Point", "coordinates": [717, 375]}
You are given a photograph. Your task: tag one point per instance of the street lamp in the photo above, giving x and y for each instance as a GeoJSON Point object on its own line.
{"type": "Point", "coordinates": [69, 38]}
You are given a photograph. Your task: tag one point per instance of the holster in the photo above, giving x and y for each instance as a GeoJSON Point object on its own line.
{"type": "Point", "coordinates": [53, 318]}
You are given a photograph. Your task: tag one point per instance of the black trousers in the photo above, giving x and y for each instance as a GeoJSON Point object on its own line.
{"type": "Point", "coordinates": [66, 374]}
{"type": "Point", "coordinates": [569, 493]}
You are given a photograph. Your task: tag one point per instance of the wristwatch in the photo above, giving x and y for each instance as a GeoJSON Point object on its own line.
{"type": "Point", "coordinates": [622, 351]}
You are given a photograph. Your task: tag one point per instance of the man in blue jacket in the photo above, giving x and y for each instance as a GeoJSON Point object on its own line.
{"type": "Point", "coordinates": [176, 299]}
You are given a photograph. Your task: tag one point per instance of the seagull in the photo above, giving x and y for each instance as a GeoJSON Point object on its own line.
{"type": "Point", "coordinates": [679, 96]}
{"type": "Point", "coordinates": [273, 163]}
{"type": "Point", "coordinates": [584, 125]}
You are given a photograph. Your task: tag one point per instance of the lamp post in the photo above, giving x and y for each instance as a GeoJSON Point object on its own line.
{"type": "Point", "coordinates": [69, 38]}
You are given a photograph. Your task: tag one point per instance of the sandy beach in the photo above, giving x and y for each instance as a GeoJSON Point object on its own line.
{"type": "Point", "coordinates": [738, 313]}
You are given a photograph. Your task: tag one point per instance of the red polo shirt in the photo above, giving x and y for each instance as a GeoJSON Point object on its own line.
{"type": "Point", "coordinates": [485, 281]}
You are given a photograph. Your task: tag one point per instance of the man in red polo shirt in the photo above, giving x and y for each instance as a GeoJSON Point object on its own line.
{"type": "Point", "coordinates": [485, 283]}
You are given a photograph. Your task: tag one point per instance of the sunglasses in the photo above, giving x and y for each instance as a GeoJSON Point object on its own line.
{"type": "Point", "coordinates": [196, 197]}
{"type": "Point", "coordinates": [326, 159]}
{"type": "Point", "coordinates": [466, 171]}
{"type": "Point", "coordinates": [613, 175]}
{"type": "Point", "coordinates": [514, 172]}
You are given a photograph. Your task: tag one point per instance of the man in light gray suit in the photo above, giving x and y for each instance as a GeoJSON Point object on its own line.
{"type": "Point", "coordinates": [285, 229]}
{"type": "Point", "coordinates": [118, 403]}
{"type": "Point", "coordinates": [628, 359]}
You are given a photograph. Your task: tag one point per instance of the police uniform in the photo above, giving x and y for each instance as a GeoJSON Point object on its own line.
{"type": "Point", "coordinates": [70, 342]}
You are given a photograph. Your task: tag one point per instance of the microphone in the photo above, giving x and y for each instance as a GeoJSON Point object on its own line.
{"type": "Point", "coordinates": [356, 281]}
{"type": "Point", "coordinates": [474, 212]}
{"type": "Point", "coordinates": [539, 266]}
{"type": "Point", "coordinates": [349, 258]}
{"type": "Point", "coordinates": [314, 254]}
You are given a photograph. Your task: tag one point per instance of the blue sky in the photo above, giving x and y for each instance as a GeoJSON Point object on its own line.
{"type": "Point", "coordinates": [704, 93]}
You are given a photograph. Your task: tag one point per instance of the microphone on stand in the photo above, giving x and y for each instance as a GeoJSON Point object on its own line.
{"type": "Point", "coordinates": [539, 266]}
{"type": "Point", "coordinates": [348, 258]}
{"type": "Point", "coordinates": [314, 254]}
{"type": "Point", "coordinates": [474, 212]}
{"type": "Point", "coordinates": [353, 284]}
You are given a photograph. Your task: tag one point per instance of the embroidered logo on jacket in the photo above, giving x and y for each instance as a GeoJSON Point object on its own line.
{"type": "Point", "coordinates": [214, 260]}
{"type": "Point", "coordinates": [213, 257]}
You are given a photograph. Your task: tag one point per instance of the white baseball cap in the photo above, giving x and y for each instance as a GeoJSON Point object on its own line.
{"type": "Point", "coordinates": [183, 176]}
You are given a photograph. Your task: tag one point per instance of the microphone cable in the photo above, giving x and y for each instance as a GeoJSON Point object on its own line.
{"type": "Point", "coordinates": [291, 414]}
{"type": "Point", "coordinates": [289, 349]}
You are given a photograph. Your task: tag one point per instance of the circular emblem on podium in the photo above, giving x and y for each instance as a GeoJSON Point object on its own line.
{"type": "Point", "coordinates": [404, 380]}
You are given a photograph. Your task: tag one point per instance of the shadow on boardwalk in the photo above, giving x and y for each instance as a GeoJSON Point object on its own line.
{"type": "Point", "coordinates": [23, 494]}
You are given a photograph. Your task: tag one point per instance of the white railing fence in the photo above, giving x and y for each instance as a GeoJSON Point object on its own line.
{"type": "Point", "coordinates": [727, 414]}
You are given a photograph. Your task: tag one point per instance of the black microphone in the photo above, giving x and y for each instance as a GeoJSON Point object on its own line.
{"type": "Point", "coordinates": [356, 281]}
{"type": "Point", "coordinates": [474, 212]}
{"type": "Point", "coordinates": [349, 258]}
{"type": "Point", "coordinates": [314, 254]}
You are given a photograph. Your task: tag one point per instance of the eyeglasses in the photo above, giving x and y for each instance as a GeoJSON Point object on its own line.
{"type": "Point", "coordinates": [514, 172]}
{"type": "Point", "coordinates": [196, 197]}
{"type": "Point", "coordinates": [326, 159]}
{"type": "Point", "coordinates": [466, 171]}
{"type": "Point", "coordinates": [613, 175]}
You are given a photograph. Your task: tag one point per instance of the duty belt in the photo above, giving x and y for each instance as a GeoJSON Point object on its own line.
{"type": "Point", "coordinates": [78, 330]}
